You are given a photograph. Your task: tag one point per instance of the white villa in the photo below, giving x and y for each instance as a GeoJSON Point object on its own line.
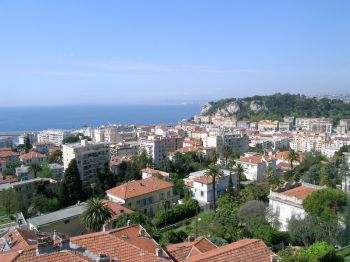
{"type": "Point", "coordinates": [202, 189]}
{"type": "Point", "coordinates": [287, 202]}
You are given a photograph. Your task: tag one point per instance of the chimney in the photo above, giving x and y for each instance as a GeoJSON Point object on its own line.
{"type": "Point", "coordinates": [45, 245]}
{"type": "Point", "coordinates": [102, 257]}
{"type": "Point", "coordinates": [142, 232]}
{"type": "Point", "coordinates": [159, 252]}
{"type": "Point", "coordinates": [128, 222]}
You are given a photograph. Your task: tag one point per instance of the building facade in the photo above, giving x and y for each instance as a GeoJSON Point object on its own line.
{"type": "Point", "coordinates": [89, 156]}
{"type": "Point", "coordinates": [145, 195]}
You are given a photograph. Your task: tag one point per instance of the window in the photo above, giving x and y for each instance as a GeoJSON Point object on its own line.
{"type": "Point", "coordinates": [168, 194]}
{"type": "Point", "coordinates": [150, 200]}
{"type": "Point", "coordinates": [161, 196]}
{"type": "Point", "coordinates": [144, 201]}
{"type": "Point", "coordinates": [202, 194]}
{"type": "Point", "coordinates": [66, 221]}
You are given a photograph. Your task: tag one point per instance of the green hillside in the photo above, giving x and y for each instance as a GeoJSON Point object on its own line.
{"type": "Point", "coordinates": [277, 106]}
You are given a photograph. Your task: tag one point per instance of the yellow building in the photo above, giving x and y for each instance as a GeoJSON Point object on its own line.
{"type": "Point", "coordinates": [146, 195]}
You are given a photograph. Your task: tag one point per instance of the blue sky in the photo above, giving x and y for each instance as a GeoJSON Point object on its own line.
{"type": "Point", "coordinates": [155, 52]}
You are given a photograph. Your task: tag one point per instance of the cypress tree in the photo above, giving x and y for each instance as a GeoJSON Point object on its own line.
{"type": "Point", "coordinates": [71, 187]}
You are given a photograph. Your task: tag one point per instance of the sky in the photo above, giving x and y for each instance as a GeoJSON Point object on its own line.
{"type": "Point", "coordinates": [85, 52]}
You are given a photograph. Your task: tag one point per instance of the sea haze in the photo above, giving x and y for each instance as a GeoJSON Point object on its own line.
{"type": "Point", "coordinates": [71, 117]}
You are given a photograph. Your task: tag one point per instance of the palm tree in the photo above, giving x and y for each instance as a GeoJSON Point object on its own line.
{"type": "Point", "coordinates": [166, 205]}
{"type": "Point", "coordinates": [95, 215]}
{"type": "Point", "coordinates": [213, 157]}
{"type": "Point", "coordinates": [292, 156]}
{"type": "Point", "coordinates": [34, 168]}
{"type": "Point", "coordinates": [269, 172]}
{"type": "Point", "coordinates": [215, 173]}
{"type": "Point", "coordinates": [239, 169]}
{"type": "Point", "coordinates": [272, 178]}
{"type": "Point", "coordinates": [226, 152]}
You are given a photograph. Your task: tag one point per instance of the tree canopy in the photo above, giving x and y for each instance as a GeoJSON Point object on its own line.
{"type": "Point", "coordinates": [325, 203]}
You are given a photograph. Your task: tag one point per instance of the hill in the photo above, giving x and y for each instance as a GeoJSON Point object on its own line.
{"type": "Point", "coordinates": [276, 106]}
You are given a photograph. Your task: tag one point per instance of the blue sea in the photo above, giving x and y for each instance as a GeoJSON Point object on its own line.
{"type": "Point", "coordinates": [71, 117]}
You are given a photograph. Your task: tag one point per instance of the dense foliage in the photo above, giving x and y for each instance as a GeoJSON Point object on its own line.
{"type": "Point", "coordinates": [318, 252]}
{"type": "Point", "coordinates": [276, 106]}
{"type": "Point", "coordinates": [95, 215]}
{"type": "Point", "coordinates": [177, 213]}
{"type": "Point", "coordinates": [71, 186]}
{"type": "Point", "coordinates": [325, 203]}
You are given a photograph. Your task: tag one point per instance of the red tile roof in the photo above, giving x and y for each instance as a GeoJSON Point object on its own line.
{"type": "Point", "coordinates": [139, 187]}
{"type": "Point", "coordinates": [284, 166]}
{"type": "Point", "coordinates": [123, 243]}
{"type": "Point", "coordinates": [4, 154]}
{"type": "Point", "coordinates": [117, 210]}
{"type": "Point", "coordinates": [257, 159]}
{"type": "Point", "coordinates": [283, 155]}
{"type": "Point", "coordinates": [203, 179]}
{"type": "Point", "coordinates": [300, 192]}
{"type": "Point", "coordinates": [32, 155]}
{"type": "Point", "coordinates": [20, 239]}
{"type": "Point", "coordinates": [154, 172]}
{"type": "Point", "coordinates": [7, 179]}
{"type": "Point", "coordinates": [29, 255]}
{"type": "Point", "coordinates": [186, 250]}
{"type": "Point", "coordinates": [246, 250]}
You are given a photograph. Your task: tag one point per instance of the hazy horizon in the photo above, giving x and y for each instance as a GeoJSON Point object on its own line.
{"type": "Point", "coordinates": [157, 52]}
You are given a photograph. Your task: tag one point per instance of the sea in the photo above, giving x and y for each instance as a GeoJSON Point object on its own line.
{"type": "Point", "coordinates": [75, 117]}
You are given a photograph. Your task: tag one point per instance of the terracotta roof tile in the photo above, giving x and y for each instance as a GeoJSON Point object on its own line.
{"type": "Point", "coordinates": [300, 192]}
{"type": "Point", "coordinates": [203, 179]}
{"type": "Point", "coordinates": [183, 251]}
{"type": "Point", "coordinates": [154, 172]}
{"type": "Point", "coordinates": [257, 159]}
{"type": "Point", "coordinates": [139, 187]}
{"type": "Point", "coordinates": [123, 243]}
{"type": "Point", "coordinates": [4, 154]}
{"type": "Point", "coordinates": [32, 155]}
{"type": "Point", "coordinates": [246, 250]}
{"type": "Point", "coordinates": [117, 209]}
{"type": "Point", "coordinates": [30, 255]}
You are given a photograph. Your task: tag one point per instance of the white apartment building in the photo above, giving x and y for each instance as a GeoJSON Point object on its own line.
{"type": "Point", "coordinates": [255, 165]}
{"type": "Point", "coordinates": [33, 138]}
{"type": "Point", "coordinates": [107, 134]}
{"type": "Point", "coordinates": [214, 141]}
{"type": "Point", "coordinates": [238, 143]}
{"type": "Point", "coordinates": [55, 136]}
{"type": "Point", "coordinates": [126, 149]}
{"type": "Point", "coordinates": [201, 186]}
{"type": "Point", "coordinates": [320, 125]}
{"type": "Point", "coordinates": [287, 202]}
{"type": "Point", "coordinates": [308, 141]}
{"type": "Point", "coordinates": [158, 147]}
{"type": "Point", "coordinates": [6, 142]}
{"type": "Point", "coordinates": [89, 156]}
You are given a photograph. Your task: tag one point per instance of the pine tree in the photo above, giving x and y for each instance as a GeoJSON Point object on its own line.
{"type": "Point", "coordinates": [71, 186]}
{"type": "Point", "coordinates": [27, 144]}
